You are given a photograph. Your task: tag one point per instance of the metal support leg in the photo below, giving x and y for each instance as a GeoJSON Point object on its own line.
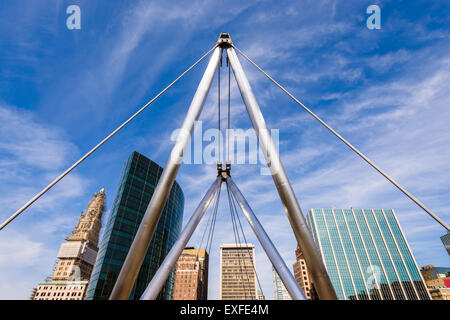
{"type": "Point", "coordinates": [286, 276]}
{"type": "Point", "coordinates": [160, 277]}
{"type": "Point", "coordinates": [319, 273]}
{"type": "Point", "coordinates": [144, 235]}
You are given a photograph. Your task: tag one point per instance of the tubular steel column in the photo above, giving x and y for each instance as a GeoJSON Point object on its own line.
{"type": "Point", "coordinates": [286, 276]}
{"type": "Point", "coordinates": [319, 273]}
{"type": "Point", "coordinates": [144, 235]}
{"type": "Point", "coordinates": [160, 277]}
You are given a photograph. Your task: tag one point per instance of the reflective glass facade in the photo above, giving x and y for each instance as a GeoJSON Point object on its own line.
{"type": "Point", "coordinates": [366, 254]}
{"type": "Point", "coordinates": [446, 241]}
{"type": "Point", "coordinates": [138, 182]}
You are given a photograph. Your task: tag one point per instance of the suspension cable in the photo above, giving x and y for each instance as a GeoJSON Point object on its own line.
{"type": "Point", "coordinates": [229, 104]}
{"type": "Point", "coordinates": [245, 239]}
{"type": "Point", "coordinates": [237, 241]}
{"type": "Point", "coordinates": [216, 196]}
{"type": "Point", "coordinates": [233, 208]}
{"type": "Point", "coordinates": [43, 191]}
{"type": "Point", "coordinates": [218, 104]}
{"type": "Point", "coordinates": [409, 195]}
{"type": "Point", "coordinates": [213, 223]}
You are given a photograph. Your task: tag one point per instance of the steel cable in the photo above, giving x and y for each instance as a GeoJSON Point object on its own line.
{"type": "Point", "coordinates": [409, 195]}
{"type": "Point", "coordinates": [43, 191]}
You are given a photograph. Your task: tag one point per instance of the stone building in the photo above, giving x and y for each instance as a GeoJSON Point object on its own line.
{"type": "Point", "coordinates": [76, 257]}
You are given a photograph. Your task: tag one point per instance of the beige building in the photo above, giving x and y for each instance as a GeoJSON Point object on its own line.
{"type": "Point", "coordinates": [237, 272]}
{"type": "Point", "coordinates": [76, 257]}
{"type": "Point", "coordinates": [439, 293]}
{"type": "Point", "coordinates": [260, 296]}
{"type": "Point", "coordinates": [191, 275]}
{"type": "Point", "coordinates": [61, 290]}
{"type": "Point", "coordinates": [303, 276]}
{"type": "Point", "coordinates": [437, 280]}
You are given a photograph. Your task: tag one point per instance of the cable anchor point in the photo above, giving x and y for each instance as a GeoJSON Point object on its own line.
{"type": "Point", "coordinates": [224, 173]}
{"type": "Point", "coordinates": [224, 40]}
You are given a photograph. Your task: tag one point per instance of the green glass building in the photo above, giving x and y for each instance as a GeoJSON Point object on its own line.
{"type": "Point", "coordinates": [366, 254]}
{"type": "Point", "coordinates": [139, 179]}
{"type": "Point", "coordinates": [446, 242]}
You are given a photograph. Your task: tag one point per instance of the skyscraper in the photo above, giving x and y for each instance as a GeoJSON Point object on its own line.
{"type": "Point", "coordinates": [366, 254]}
{"type": "Point", "coordinates": [76, 257]}
{"type": "Point", "coordinates": [191, 275]}
{"type": "Point", "coordinates": [139, 179]}
{"type": "Point", "coordinates": [302, 275]}
{"type": "Point", "coordinates": [237, 272]}
{"type": "Point", "coordinates": [279, 290]}
{"type": "Point", "coordinates": [446, 241]}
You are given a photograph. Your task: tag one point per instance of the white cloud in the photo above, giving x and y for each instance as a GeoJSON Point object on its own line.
{"type": "Point", "coordinates": [31, 154]}
{"type": "Point", "coordinates": [28, 142]}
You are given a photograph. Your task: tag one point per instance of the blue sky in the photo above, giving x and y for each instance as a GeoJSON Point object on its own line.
{"type": "Point", "coordinates": [62, 91]}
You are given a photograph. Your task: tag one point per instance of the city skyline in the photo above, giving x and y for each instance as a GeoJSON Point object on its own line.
{"type": "Point", "coordinates": [62, 92]}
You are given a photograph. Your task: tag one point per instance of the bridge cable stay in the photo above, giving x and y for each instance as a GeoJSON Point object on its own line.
{"type": "Point", "coordinates": [237, 243]}
{"type": "Point", "coordinates": [213, 223]}
{"type": "Point", "coordinates": [236, 221]}
{"type": "Point", "coordinates": [218, 105]}
{"type": "Point", "coordinates": [62, 175]}
{"type": "Point", "coordinates": [229, 107]}
{"type": "Point", "coordinates": [243, 235]}
{"type": "Point", "coordinates": [233, 212]}
{"type": "Point", "coordinates": [409, 195]}
{"type": "Point", "coordinates": [207, 226]}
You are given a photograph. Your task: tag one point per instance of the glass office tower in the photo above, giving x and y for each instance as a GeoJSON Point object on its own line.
{"type": "Point", "coordinates": [138, 182]}
{"type": "Point", "coordinates": [279, 290]}
{"type": "Point", "coordinates": [446, 241]}
{"type": "Point", "coordinates": [366, 254]}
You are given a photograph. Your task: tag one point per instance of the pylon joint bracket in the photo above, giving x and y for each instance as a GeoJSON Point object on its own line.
{"type": "Point", "coordinates": [224, 41]}
{"type": "Point", "coordinates": [224, 172]}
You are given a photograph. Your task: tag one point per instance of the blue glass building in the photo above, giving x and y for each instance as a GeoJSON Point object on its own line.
{"type": "Point", "coordinates": [366, 254]}
{"type": "Point", "coordinates": [139, 179]}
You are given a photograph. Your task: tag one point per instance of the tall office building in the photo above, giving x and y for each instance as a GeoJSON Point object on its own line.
{"type": "Point", "coordinates": [137, 184]}
{"type": "Point", "coordinates": [76, 257]}
{"type": "Point", "coordinates": [191, 275]}
{"type": "Point", "coordinates": [279, 290]}
{"type": "Point", "coordinates": [366, 254]}
{"type": "Point", "coordinates": [446, 241]}
{"type": "Point", "coordinates": [302, 275]}
{"type": "Point", "coordinates": [237, 272]}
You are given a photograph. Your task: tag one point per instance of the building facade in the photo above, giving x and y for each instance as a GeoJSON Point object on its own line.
{"type": "Point", "coordinates": [260, 296]}
{"type": "Point", "coordinates": [446, 242]}
{"type": "Point", "coordinates": [440, 293]}
{"type": "Point", "coordinates": [237, 272]}
{"type": "Point", "coordinates": [191, 275]}
{"type": "Point", "coordinates": [437, 280]}
{"type": "Point", "coordinates": [137, 184]}
{"type": "Point", "coordinates": [366, 254]}
{"type": "Point", "coordinates": [76, 257]}
{"type": "Point", "coordinates": [303, 276]}
{"type": "Point", "coordinates": [279, 290]}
